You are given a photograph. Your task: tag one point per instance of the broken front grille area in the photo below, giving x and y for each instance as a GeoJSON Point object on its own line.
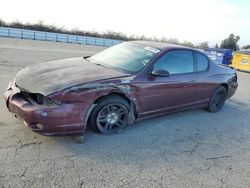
{"type": "Point", "coordinates": [35, 99]}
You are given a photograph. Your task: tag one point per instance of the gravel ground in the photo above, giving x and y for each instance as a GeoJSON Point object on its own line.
{"type": "Point", "coordinates": [188, 149]}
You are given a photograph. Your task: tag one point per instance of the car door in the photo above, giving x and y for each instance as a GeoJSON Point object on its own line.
{"type": "Point", "coordinates": [159, 94]}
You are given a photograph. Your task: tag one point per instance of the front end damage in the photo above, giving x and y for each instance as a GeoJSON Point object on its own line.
{"type": "Point", "coordinates": [43, 115]}
{"type": "Point", "coordinates": [64, 112]}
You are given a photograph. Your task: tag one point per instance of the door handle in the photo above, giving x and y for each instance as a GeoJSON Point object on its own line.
{"type": "Point", "coordinates": [192, 83]}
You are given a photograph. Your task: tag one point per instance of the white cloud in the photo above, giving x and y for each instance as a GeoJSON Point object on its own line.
{"type": "Point", "coordinates": [192, 20]}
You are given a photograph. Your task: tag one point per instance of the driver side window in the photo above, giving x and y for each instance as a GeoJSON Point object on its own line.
{"type": "Point", "coordinates": [176, 62]}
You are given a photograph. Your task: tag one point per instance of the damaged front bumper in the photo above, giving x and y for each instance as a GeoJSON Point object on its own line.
{"type": "Point", "coordinates": [59, 120]}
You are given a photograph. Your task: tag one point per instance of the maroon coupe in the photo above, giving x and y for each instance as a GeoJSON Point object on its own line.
{"type": "Point", "coordinates": [112, 89]}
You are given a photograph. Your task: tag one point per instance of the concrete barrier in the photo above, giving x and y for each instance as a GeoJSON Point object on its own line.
{"type": "Point", "coordinates": [56, 37]}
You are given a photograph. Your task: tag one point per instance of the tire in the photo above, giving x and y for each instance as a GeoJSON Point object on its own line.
{"type": "Point", "coordinates": [110, 115]}
{"type": "Point", "coordinates": [217, 100]}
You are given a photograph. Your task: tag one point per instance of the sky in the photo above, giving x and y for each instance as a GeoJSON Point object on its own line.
{"type": "Point", "coordinates": [191, 20]}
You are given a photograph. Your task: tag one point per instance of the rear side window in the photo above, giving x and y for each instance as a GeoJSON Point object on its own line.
{"type": "Point", "coordinates": [176, 62]}
{"type": "Point", "coordinates": [202, 62]}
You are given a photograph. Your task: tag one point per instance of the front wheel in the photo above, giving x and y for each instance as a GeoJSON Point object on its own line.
{"type": "Point", "coordinates": [110, 115]}
{"type": "Point", "coordinates": [217, 100]}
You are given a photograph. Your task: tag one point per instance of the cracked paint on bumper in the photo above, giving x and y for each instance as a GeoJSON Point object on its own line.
{"type": "Point", "coordinates": [60, 120]}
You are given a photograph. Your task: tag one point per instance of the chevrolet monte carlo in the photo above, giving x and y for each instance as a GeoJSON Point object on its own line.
{"type": "Point", "coordinates": [112, 89]}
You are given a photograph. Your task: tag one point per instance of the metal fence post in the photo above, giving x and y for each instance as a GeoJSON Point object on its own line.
{"type": "Point", "coordinates": [56, 38]}
{"type": "Point", "coordinates": [21, 34]}
{"type": "Point", "coordinates": [34, 35]}
{"type": "Point", "coordinates": [67, 39]}
{"type": "Point", "coordinates": [9, 32]}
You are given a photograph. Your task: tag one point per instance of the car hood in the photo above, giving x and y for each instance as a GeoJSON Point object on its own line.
{"type": "Point", "coordinates": [48, 77]}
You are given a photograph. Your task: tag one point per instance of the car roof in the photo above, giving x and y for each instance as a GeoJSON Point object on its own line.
{"type": "Point", "coordinates": [159, 45]}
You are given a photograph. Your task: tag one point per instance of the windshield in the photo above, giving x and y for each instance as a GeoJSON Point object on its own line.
{"type": "Point", "coordinates": [127, 57]}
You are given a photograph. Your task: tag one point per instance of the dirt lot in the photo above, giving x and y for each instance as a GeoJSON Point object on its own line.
{"type": "Point", "coordinates": [188, 149]}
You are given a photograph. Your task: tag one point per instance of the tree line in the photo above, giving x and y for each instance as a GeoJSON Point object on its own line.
{"type": "Point", "coordinates": [228, 43]}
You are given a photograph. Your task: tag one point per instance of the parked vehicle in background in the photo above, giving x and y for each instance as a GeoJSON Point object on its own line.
{"type": "Point", "coordinates": [241, 60]}
{"type": "Point", "coordinates": [110, 90]}
{"type": "Point", "coordinates": [220, 56]}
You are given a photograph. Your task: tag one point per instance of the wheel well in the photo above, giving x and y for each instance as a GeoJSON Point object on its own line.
{"type": "Point", "coordinates": [225, 86]}
{"type": "Point", "coordinates": [113, 94]}
{"type": "Point", "coordinates": [130, 102]}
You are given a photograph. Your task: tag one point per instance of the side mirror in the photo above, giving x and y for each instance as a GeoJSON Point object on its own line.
{"type": "Point", "coordinates": [160, 72]}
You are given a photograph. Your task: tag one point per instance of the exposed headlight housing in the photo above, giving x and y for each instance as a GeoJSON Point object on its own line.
{"type": "Point", "coordinates": [38, 99]}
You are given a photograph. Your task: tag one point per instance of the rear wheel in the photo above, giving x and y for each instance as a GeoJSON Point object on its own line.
{"type": "Point", "coordinates": [110, 115]}
{"type": "Point", "coordinates": [217, 100]}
